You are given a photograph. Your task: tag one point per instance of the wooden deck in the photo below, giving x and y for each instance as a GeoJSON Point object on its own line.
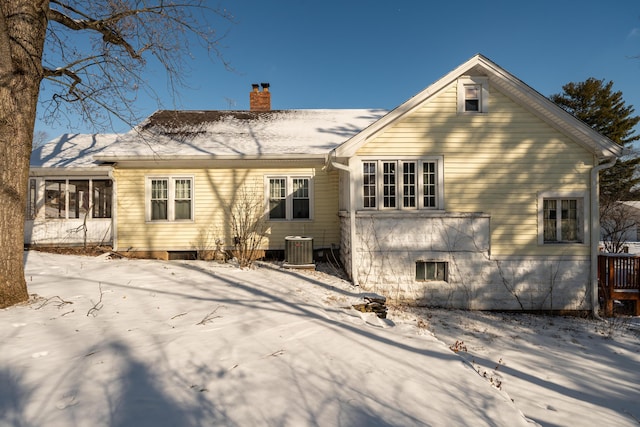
{"type": "Point", "coordinates": [619, 279]}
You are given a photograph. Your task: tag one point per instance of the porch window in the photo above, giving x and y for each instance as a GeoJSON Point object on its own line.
{"type": "Point", "coordinates": [407, 184]}
{"type": "Point", "coordinates": [32, 199]}
{"type": "Point", "coordinates": [78, 191]}
{"type": "Point", "coordinates": [170, 198]}
{"type": "Point", "coordinates": [55, 202]}
{"type": "Point", "coordinates": [427, 271]}
{"type": "Point", "coordinates": [70, 198]}
{"type": "Point", "coordinates": [289, 198]}
{"type": "Point", "coordinates": [102, 196]}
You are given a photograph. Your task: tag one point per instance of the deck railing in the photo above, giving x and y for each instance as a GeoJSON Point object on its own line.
{"type": "Point", "coordinates": [619, 279]}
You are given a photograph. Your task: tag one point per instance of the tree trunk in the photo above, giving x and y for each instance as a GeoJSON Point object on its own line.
{"type": "Point", "coordinates": [23, 26]}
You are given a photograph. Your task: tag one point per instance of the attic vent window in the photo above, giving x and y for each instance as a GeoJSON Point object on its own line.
{"type": "Point", "coordinates": [473, 95]}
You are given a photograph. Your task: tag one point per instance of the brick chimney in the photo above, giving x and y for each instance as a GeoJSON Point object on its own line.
{"type": "Point", "coordinates": [260, 100]}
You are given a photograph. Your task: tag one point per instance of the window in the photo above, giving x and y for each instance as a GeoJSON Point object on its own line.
{"type": "Point", "coordinates": [72, 198]}
{"type": "Point", "coordinates": [562, 219]}
{"type": "Point", "coordinates": [427, 271]}
{"type": "Point", "coordinates": [289, 198]}
{"type": "Point", "coordinates": [277, 198]}
{"type": "Point", "coordinates": [102, 194]}
{"type": "Point", "coordinates": [170, 199]}
{"type": "Point", "coordinates": [159, 198]}
{"type": "Point", "coordinates": [369, 184]}
{"type": "Point", "coordinates": [473, 95]}
{"type": "Point", "coordinates": [55, 198]}
{"type": "Point", "coordinates": [32, 199]}
{"type": "Point", "coordinates": [78, 191]}
{"type": "Point", "coordinates": [408, 184]}
{"type": "Point", "coordinates": [183, 199]}
{"type": "Point", "coordinates": [429, 184]}
{"type": "Point", "coordinates": [301, 199]}
{"type": "Point", "coordinates": [389, 184]}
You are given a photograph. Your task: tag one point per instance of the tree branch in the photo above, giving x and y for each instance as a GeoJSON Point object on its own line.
{"type": "Point", "coordinates": [109, 34]}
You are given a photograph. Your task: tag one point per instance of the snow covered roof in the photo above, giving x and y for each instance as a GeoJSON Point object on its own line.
{"type": "Point", "coordinates": [71, 151]}
{"type": "Point", "coordinates": [282, 134]}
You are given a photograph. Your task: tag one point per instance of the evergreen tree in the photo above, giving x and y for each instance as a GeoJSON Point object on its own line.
{"type": "Point", "coordinates": [594, 102]}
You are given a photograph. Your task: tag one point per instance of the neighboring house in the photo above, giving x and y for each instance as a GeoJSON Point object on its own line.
{"type": "Point", "coordinates": [632, 213]}
{"type": "Point", "coordinates": [619, 227]}
{"type": "Point", "coordinates": [476, 193]}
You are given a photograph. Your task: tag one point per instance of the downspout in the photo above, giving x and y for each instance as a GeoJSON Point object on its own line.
{"type": "Point", "coordinates": [352, 218]}
{"type": "Point", "coordinates": [595, 232]}
{"type": "Point", "coordinates": [114, 212]}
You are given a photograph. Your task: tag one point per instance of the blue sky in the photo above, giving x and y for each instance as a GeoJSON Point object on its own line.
{"type": "Point", "coordinates": [377, 54]}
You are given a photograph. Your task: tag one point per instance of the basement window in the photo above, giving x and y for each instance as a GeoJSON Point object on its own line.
{"type": "Point", "coordinates": [429, 271]}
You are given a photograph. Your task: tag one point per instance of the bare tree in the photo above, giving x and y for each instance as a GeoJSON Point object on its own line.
{"type": "Point", "coordinates": [40, 138]}
{"type": "Point", "coordinates": [87, 57]}
{"type": "Point", "coordinates": [246, 219]}
{"type": "Point", "coordinates": [618, 221]}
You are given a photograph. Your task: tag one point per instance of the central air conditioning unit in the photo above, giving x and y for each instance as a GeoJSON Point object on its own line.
{"type": "Point", "coordinates": [298, 252]}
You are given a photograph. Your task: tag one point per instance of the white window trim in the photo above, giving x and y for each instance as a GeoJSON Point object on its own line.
{"type": "Point", "coordinates": [583, 211]}
{"type": "Point", "coordinates": [170, 198]}
{"type": "Point", "coordinates": [289, 197]}
{"type": "Point", "coordinates": [439, 160]}
{"type": "Point", "coordinates": [484, 93]}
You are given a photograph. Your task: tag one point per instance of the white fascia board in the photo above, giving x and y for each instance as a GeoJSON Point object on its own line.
{"type": "Point", "coordinates": [199, 162]}
{"type": "Point", "coordinates": [93, 171]}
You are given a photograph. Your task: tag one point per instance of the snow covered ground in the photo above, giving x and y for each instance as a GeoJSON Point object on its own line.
{"type": "Point", "coordinates": [116, 342]}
